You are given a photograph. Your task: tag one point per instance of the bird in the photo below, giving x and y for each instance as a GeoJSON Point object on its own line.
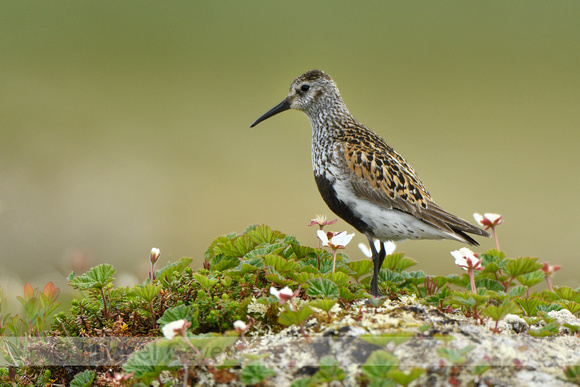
{"type": "Point", "coordinates": [362, 179]}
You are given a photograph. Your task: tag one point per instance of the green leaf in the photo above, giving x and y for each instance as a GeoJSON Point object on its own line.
{"type": "Point", "coordinates": [255, 373]}
{"type": "Point", "coordinates": [83, 379]}
{"type": "Point", "coordinates": [520, 266]}
{"type": "Point", "coordinates": [304, 382]}
{"type": "Point", "coordinates": [390, 276]}
{"type": "Point", "coordinates": [573, 328]}
{"type": "Point", "coordinates": [417, 277]}
{"type": "Point", "coordinates": [360, 268]}
{"type": "Point", "coordinates": [296, 317]}
{"type": "Point", "coordinates": [547, 308]}
{"type": "Point", "coordinates": [517, 291]}
{"type": "Point", "coordinates": [269, 248]}
{"type": "Point", "coordinates": [246, 268]}
{"type": "Point", "coordinates": [97, 278]}
{"type": "Point", "coordinates": [572, 373]}
{"type": "Point", "coordinates": [566, 293]}
{"type": "Point", "coordinates": [378, 364]}
{"type": "Point", "coordinates": [32, 308]}
{"type": "Point", "coordinates": [405, 378]}
{"type": "Point", "coordinates": [397, 262]}
{"type": "Point", "coordinates": [212, 344]}
{"type": "Point", "coordinates": [324, 304]}
{"type": "Point", "coordinates": [489, 284]}
{"type": "Point", "coordinates": [147, 292]}
{"type": "Point", "coordinates": [461, 281]}
{"type": "Point", "coordinates": [303, 251]}
{"type": "Point", "coordinates": [278, 279]}
{"type": "Point", "coordinates": [490, 267]}
{"type": "Point", "coordinates": [210, 252]}
{"type": "Point", "coordinates": [302, 277]}
{"type": "Point", "coordinates": [329, 370]}
{"type": "Point", "coordinates": [463, 299]}
{"type": "Point", "coordinates": [493, 256]}
{"type": "Point", "coordinates": [497, 313]}
{"type": "Point", "coordinates": [206, 282]}
{"type": "Point", "coordinates": [436, 298]}
{"type": "Point", "coordinates": [346, 295]}
{"type": "Point", "coordinates": [572, 306]}
{"type": "Point", "coordinates": [150, 361]}
{"type": "Point", "coordinates": [281, 265]}
{"type": "Point", "coordinates": [530, 279]}
{"type": "Point", "coordinates": [308, 269]}
{"type": "Point", "coordinates": [339, 278]}
{"type": "Point", "coordinates": [529, 305]}
{"type": "Point", "coordinates": [322, 287]}
{"type": "Point", "coordinates": [479, 369]}
{"type": "Point", "coordinates": [237, 247]}
{"type": "Point", "coordinates": [550, 329]}
{"type": "Point", "coordinates": [222, 263]}
{"type": "Point", "coordinates": [180, 312]}
{"type": "Point", "coordinates": [264, 234]}
{"type": "Point", "coordinates": [455, 356]}
{"type": "Point", "coordinates": [173, 268]}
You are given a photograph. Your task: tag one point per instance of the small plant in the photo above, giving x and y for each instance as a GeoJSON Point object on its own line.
{"type": "Point", "coordinates": [99, 280]}
{"type": "Point", "coordinates": [196, 317]}
{"type": "Point", "coordinates": [255, 373]}
{"type": "Point", "coordinates": [572, 374]}
{"type": "Point", "coordinates": [488, 221]}
{"type": "Point", "coordinates": [335, 241]}
{"type": "Point", "coordinates": [496, 313]}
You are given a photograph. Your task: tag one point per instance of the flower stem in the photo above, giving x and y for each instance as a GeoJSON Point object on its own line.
{"type": "Point", "coordinates": [495, 237]}
{"type": "Point", "coordinates": [472, 281]}
{"type": "Point", "coordinates": [105, 310]}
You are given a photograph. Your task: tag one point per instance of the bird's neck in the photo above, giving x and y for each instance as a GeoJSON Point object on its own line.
{"type": "Point", "coordinates": [329, 117]}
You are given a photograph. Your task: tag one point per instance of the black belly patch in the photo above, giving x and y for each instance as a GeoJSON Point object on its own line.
{"type": "Point", "coordinates": [339, 207]}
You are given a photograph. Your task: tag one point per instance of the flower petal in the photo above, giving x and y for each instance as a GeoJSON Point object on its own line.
{"type": "Point", "coordinates": [240, 326]}
{"type": "Point", "coordinates": [170, 330]}
{"type": "Point", "coordinates": [322, 236]}
{"type": "Point", "coordinates": [341, 239]}
{"type": "Point", "coordinates": [478, 218]}
{"type": "Point", "coordinates": [390, 247]}
{"type": "Point", "coordinates": [494, 219]}
{"type": "Point", "coordinates": [365, 250]}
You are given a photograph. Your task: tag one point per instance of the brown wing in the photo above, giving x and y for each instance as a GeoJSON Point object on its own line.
{"type": "Point", "coordinates": [382, 176]}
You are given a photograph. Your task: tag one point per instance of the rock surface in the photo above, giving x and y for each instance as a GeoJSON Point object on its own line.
{"type": "Point", "coordinates": [514, 356]}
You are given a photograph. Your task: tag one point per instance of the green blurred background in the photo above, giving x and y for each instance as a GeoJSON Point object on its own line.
{"type": "Point", "coordinates": [125, 125]}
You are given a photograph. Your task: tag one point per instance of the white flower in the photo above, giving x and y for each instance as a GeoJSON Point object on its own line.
{"type": "Point", "coordinates": [488, 220]}
{"type": "Point", "coordinates": [321, 221]}
{"type": "Point", "coordinates": [172, 329]}
{"type": "Point", "coordinates": [285, 294]}
{"type": "Point", "coordinates": [466, 258]}
{"type": "Point", "coordinates": [154, 256]}
{"type": "Point", "coordinates": [389, 248]}
{"type": "Point", "coordinates": [337, 241]}
{"type": "Point", "coordinates": [240, 326]}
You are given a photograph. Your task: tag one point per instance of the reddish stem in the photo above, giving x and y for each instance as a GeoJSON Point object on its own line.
{"type": "Point", "coordinates": [495, 237]}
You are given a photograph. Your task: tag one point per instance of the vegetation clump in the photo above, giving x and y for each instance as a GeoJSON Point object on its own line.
{"type": "Point", "coordinates": [180, 321]}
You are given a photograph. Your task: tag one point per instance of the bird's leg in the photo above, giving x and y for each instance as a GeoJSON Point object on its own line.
{"type": "Point", "coordinates": [378, 258]}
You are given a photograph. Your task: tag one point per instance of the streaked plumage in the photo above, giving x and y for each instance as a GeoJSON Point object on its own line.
{"type": "Point", "coordinates": [361, 178]}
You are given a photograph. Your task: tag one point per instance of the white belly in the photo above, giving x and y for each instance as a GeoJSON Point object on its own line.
{"type": "Point", "coordinates": [388, 224]}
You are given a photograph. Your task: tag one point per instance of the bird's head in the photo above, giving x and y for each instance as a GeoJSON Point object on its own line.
{"type": "Point", "coordinates": [308, 93]}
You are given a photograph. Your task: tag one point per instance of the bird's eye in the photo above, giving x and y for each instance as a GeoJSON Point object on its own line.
{"type": "Point", "coordinates": [305, 87]}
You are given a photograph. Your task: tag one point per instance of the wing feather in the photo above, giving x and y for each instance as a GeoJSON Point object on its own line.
{"type": "Point", "coordinates": [382, 176]}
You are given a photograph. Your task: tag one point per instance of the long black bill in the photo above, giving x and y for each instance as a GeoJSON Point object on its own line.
{"type": "Point", "coordinates": [282, 106]}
